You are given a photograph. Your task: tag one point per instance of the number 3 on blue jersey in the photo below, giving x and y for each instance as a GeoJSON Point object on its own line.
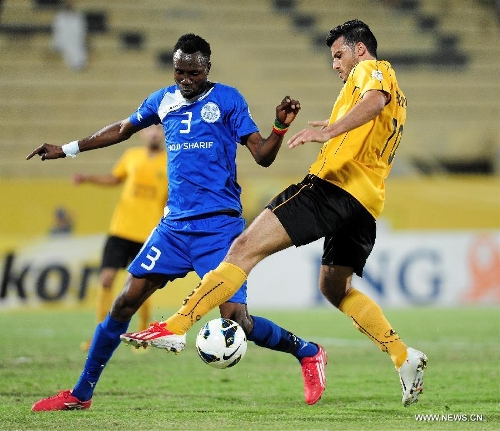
{"type": "Point", "coordinates": [153, 259]}
{"type": "Point", "coordinates": [187, 122]}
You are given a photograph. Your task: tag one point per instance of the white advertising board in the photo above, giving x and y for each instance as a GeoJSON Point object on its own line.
{"type": "Point", "coordinates": [405, 269]}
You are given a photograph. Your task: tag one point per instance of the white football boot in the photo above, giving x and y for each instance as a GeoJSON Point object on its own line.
{"type": "Point", "coordinates": [411, 375]}
{"type": "Point", "coordinates": [157, 335]}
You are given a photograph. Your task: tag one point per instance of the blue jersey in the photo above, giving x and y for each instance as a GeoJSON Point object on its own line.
{"type": "Point", "coordinates": [201, 137]}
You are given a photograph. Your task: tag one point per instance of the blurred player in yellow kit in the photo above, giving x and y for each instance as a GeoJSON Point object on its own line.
{"type": "Point", "coordinates": [142, 171]}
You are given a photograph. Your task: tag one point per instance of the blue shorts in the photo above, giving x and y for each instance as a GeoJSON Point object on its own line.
{"type": "Point", "coordinates": [178, 247]}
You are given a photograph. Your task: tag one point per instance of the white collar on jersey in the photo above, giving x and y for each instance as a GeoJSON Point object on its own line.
{"type": "Point", "coordinates": [174, 101]}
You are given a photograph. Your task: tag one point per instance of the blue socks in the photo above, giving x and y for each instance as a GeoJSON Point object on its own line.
{"type": "Point", "coordinates": [107, 338]}
{"type": "Point", "coordinates": [105, 341]}
{"type": "Point", "coordinates": [267, 334]}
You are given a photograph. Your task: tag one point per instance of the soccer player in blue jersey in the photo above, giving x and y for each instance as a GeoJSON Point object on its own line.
{"type": "Point", "coordinates": [203, 123]}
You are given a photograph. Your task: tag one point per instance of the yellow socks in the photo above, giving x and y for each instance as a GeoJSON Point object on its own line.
{"type": "Point", "coordinates": [368, 318]}
{"type": "Point", "coordinates": [104, 301]}
{"type": "Point", "coordinates": [215, 288]}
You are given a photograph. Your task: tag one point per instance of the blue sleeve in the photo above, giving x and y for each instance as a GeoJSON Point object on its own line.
{"type": "Point", "coordinates": [242, 121]}
{"type": "Point", "coordinates": [147, 113]}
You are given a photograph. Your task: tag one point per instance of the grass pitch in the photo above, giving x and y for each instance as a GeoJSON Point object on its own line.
{"type": "Point", "coordinates": [158, 390]}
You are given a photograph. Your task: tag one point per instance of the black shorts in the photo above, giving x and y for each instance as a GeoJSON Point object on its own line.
{"type": "Point", "coordinates": [315, 209]}
{"type": "Point", "coordinates": [119, 252]}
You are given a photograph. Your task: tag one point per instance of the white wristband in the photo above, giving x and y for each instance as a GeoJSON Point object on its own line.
{"type": "Point", "coordinates": [71, 149]}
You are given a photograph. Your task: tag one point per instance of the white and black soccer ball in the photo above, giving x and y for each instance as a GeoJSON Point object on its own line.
{"type": "Point", "coordinates": [221, 343]}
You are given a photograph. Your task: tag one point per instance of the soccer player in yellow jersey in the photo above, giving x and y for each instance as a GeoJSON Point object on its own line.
{"type": "Point", "coordinates": [339, 200]}
{"type": "Point", "coordinates": [142, 172]}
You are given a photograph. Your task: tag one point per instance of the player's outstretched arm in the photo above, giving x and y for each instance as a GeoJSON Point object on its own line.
{"type": "Point", "coordinates": [371, 105]}
{"type": "Point", "coordinates": [109, 135]}
{"type": "Point", "coordinates": [100, 180]}
{"type": "Point", "coordinates": [263, 150]}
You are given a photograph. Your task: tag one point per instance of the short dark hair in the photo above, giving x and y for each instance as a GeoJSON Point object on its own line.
{"type": "Point", "coordinates": [191, 43]}
{"type": "Point", "coordinates": [354, 31]}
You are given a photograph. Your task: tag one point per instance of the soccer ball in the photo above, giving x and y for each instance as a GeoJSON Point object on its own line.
{"type": "Point", "coordinates": [221, 343]}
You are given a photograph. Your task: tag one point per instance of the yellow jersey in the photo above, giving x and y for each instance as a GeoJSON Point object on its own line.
{"type": "Point", "coordinates": [144, 193]}
{"type": "Point", "coordinates": [359, 161]}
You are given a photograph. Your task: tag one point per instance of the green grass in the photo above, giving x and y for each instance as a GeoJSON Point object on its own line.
{"type": "Point", "coordinates": [156, 390]}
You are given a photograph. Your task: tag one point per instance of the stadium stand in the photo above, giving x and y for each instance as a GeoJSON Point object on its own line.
{"type": "Point", "coordinates": [266, 49]}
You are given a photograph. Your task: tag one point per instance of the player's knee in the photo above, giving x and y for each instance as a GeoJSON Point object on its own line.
{"type": "Point", "coordinates": [240, 241]}
{"type": "Point", "coordinates": [238, 313]}
{"type": "Point", "coordinates": [334, 283]}
{"type": "Point", "coordinates": [107, 284]}
{"type": "Point", "coordinates": [241, 247]}
{"type": "Point", "coordinates": [333, 295]}
{"type": "Point", "coordinates": [124, 308]}
{"type": "Point", "coordinates": [107, 278]}
{"type": "Point", "coordinates": [245, 322]}
{"type": "Point", "coordinates": [333, 289]}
